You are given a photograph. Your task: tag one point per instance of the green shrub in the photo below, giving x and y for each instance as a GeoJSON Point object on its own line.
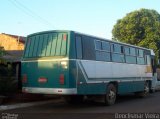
{"type": "Point", "coordinates": [8, 83]}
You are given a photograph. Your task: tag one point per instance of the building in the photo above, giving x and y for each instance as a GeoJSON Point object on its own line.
{"type": "Point", "coordinates": [14, 46]}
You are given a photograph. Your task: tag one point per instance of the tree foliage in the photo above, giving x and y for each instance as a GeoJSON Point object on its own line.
{"type": "Point", "coordinates": [8, 83]}
{"type": "Point", "coordinates": [2, 53]}
{"type": "Point", "coordinates": [140, 27]}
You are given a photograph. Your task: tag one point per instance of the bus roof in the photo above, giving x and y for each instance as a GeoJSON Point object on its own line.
{"type": "Point", "coordinates": [101, 38]}
{"type": "Point", "coordinates": [50, 31]}
{"type": "Point", "coordinates": [113, 41]}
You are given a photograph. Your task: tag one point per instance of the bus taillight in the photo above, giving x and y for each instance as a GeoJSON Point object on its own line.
{"type": "Point", "coordinates": [61, 79]}
{"type": "Point", "coordinates": [24, 78]}
{"type": "Point", "coordinates": [64, 37]}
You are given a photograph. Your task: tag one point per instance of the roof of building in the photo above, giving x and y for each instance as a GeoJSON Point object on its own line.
{"type": "Point", "coordinates": [22, 39]}
{"type": "Point", "coordinates": [13, 56]}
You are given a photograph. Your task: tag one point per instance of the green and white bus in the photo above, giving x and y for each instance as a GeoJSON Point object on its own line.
{"type": "Point", "coordinates": [75, 65]}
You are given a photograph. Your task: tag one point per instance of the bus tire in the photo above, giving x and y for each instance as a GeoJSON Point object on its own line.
{"type": "Point", "coordinates": [111, 95]}
{"type": "Point", "coordinates": [145, 92]}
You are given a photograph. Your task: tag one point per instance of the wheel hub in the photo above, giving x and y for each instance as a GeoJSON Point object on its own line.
{"type": "Point", "coordinates": [146, 89]}
{"type": "Point", "coordinates": [111, 94]}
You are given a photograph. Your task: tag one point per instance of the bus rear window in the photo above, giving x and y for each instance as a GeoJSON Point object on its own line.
{"type": "Point", "coordinates": [46, 45]}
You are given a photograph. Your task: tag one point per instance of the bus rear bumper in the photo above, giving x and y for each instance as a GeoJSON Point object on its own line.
{"type": "Point", "coordinates": [63, 91]}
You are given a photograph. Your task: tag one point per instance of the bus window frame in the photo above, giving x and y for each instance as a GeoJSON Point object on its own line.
{"type": "Point", "coordinates": [81, 47]}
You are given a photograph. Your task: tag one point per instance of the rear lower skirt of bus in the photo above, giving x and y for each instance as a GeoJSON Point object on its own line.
{"type": "Point", "coordinates": [50, 90]}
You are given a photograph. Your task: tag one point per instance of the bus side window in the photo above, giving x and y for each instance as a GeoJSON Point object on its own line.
{"type": "Point", "coordinates": [148, 60]}
{"type": "Point", "coordinates": [79, 47]}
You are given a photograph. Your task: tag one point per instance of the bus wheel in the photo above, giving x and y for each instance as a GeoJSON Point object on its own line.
{"type": "Point", "coordinates": [110, 96]}
{"type": "Point", "coordinates": [145, 92]}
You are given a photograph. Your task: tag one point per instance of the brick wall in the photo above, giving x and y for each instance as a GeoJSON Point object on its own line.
{"type": "Point", "coordinates": [10, 43]}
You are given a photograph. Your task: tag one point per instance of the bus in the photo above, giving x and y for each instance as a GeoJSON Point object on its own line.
{"type": "Point", "coordinates": [77, 65]}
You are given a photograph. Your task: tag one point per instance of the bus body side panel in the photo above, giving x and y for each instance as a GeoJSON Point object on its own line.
{"type": "Point", "coordinates": [72, 74]}
{"type": "Point", "coordinates": [91, 88]}
{"type": "Point", "coordinates": [94, 77]}
{"type": "Point", "coordinates": [86, 86]}
{"type": "Point", "coordinates": [87, 50]}
{"type": "Point", "coordinates": [101, 88]}
{"type": "Point", "coordinates": [95, 72]}
{"type": "Point", "coordinates": [129, 87]}
{"type": "Point", "coordinates": [72, 48]}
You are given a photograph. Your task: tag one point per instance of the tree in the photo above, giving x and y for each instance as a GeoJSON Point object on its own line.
{"type": "Point", "coordinates": [8, 84]}
{"type": "Point", "coordinates": [2, 53]}
{"type": "Point", "coordinates": [140, 27]}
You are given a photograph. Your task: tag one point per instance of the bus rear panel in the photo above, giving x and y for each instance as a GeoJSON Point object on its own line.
{"type": "Point", "coordinates": [45, 64]}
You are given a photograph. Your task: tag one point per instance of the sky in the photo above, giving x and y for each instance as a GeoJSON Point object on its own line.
{"type": "Point", "coordinates": [94, 17]}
